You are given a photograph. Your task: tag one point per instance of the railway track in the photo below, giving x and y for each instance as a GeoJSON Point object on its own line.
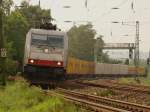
{"type": "Point", "coordinates": [102, 104]}
{"type": "Point", "coordinates": [118, 86]}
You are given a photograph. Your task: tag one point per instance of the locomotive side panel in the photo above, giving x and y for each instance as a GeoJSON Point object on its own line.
{"type": "Point", "coordinates": [27, 48]}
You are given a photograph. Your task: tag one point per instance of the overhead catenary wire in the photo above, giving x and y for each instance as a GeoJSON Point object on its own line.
{"type": "Point", "coordinates": [110, 11]}
{"type": "Point", "coordinates": [122, 3]}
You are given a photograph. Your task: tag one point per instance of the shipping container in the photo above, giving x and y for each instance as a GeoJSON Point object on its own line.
{"type": "Point", "coordinates": [80, 67]}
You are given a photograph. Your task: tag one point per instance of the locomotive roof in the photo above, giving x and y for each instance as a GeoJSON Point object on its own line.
{"type": "Point", "coordinates": [50, 32]}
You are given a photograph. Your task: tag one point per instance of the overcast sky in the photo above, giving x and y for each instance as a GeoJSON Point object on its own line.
{"type": "Point", "coordinates": [101, 14]}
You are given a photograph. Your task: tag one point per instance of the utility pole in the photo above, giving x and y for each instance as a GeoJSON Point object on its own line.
{"type": "Point", "coordinates": [39, 3]}
{"type": "Point", "coordinates": [2, 48]}
{"type": "Point", "coordinates": [149, 53]}
{"type": "Point", "coordinates": [136, 54]}
{"type": "Point", "coordinates": [95, 51]}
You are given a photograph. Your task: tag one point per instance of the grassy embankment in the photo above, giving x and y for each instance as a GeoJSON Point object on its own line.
{"type": "Point", "coordinates": [19, 97]}
{"type": "Point", "coordinates": [141, 80]}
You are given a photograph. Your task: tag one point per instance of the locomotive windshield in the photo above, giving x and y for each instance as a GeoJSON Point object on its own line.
{"type": "Point", "coordinates": [47, 40]}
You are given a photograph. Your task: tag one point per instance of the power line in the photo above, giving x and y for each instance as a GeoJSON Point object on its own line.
{"type": "Point", "coordinates": [122, 3]}
{"type": "Point", "coordinates": [111, 9]}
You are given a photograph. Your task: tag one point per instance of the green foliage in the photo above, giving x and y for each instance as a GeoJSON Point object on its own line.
{"type": "Point", "coordinates": [12, 66]}
{"type": "Point", "coordinates": [106, 93]}
{"type": "Point", "coordinates": [7, 5]}
{"type": "Point", "coordinates": [19, 97]}
{"type": "Point", "coordinates": [99, 49]}
{"type": "Point", "coordinates": [83, 45]}
{"type": "Point", "coordinates": [81, 42]}
{"type": "Point", "coordinates": [127, 80]}
{"type": "Point", "coordinates": [103, 58]}
{"type": "Point", "coordinates": [10, 50]}
{"type": "Point", "coordinates": [113, 61]}
{"type": "Point", "coordinates": [106, 59]}
{"type": "Point", "coordinates": [141, 80]}
{"type": "Point", "coordinates": [34, 14]}
{"type": "Point", "coordinates": [17, 26]}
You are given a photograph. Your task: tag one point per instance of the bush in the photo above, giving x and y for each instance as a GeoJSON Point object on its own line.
{"type": "Point", "coordinates": [19, 97]}
{"type": "Point", "coordinates": [11, 67]}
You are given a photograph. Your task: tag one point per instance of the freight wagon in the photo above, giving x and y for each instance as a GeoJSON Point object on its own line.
{"type": "Point", "coordinates": [80, 67]}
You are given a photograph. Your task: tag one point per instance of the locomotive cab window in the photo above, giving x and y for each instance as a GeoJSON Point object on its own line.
{"type": "Point", "coordinates": [39, 39]}
{"type": "Point", "coordinates": [54, 41]}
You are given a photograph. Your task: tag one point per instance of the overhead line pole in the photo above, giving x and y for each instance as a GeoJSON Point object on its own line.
{"type": "Point", "coordinates": [2, 47]}
{"type": "Point", "coordinates": [149, 53]}
{"type": "Point", "coordinates": [137, 57]}
{"type": "Point", "coordinates": [1, 25]}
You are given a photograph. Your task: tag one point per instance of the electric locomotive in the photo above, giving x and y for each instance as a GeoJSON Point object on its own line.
{"type": "Point", "coordinates": [45, 53]}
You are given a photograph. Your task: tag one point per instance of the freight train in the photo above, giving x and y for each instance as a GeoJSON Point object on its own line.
{"type": "Point", "coordinates": [46, 52]}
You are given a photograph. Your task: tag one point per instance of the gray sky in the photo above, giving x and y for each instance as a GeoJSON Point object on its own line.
{"type": "Point", "coordinates": [100, 13]}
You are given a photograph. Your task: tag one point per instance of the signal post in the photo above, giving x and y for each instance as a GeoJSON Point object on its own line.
{"type": "Point", "coordinates": [2, 48]}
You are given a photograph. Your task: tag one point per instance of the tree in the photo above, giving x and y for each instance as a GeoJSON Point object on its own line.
{"type": "Point", "coordinates": [7, 6]}
{"type": "Point", "coordinates": [17, 26]}
{"type": "Point", "coordinates": [18, 22]}
{"type": "Point", "coordinates": [100, 55]}
{"type": "Point", "coordinates": [99, 44]}
{"type": "Point", "coordinates": [34, 14]}
{"type": "Point", "coordinates": [81, 42]}
{"type": "Point", "coordinates": [4, 11]}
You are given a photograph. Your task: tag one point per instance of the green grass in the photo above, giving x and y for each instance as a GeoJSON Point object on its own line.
{"type": "Point", "coordinates": [19, 97]}
{"type": "Point", "coordinates": [127, 80]}
{"type": "Point", "coordinates": [106, 93]}
{"type": "Point", "coordinates": [141, 80]}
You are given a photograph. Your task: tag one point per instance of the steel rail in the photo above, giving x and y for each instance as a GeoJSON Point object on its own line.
{"type": "Point", "coordinates": [132, 107]}
{"type": "Point", "coordinates": [87, 105]}
{"type": "Point", "coordinates": [118, 87]}
{"type": "Point", "coordinates": [90, 105]}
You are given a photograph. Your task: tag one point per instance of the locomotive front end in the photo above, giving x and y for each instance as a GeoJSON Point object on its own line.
{"type": "Point", "coordinates": [45, 53]}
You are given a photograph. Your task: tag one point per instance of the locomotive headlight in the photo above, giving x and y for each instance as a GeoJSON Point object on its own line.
{"type": "Point", "coordinates": [46, 50]}
{"type": "Point", "coordinates": [59, 63]}
{"type": "Point", "coordinates": [31, 61]}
